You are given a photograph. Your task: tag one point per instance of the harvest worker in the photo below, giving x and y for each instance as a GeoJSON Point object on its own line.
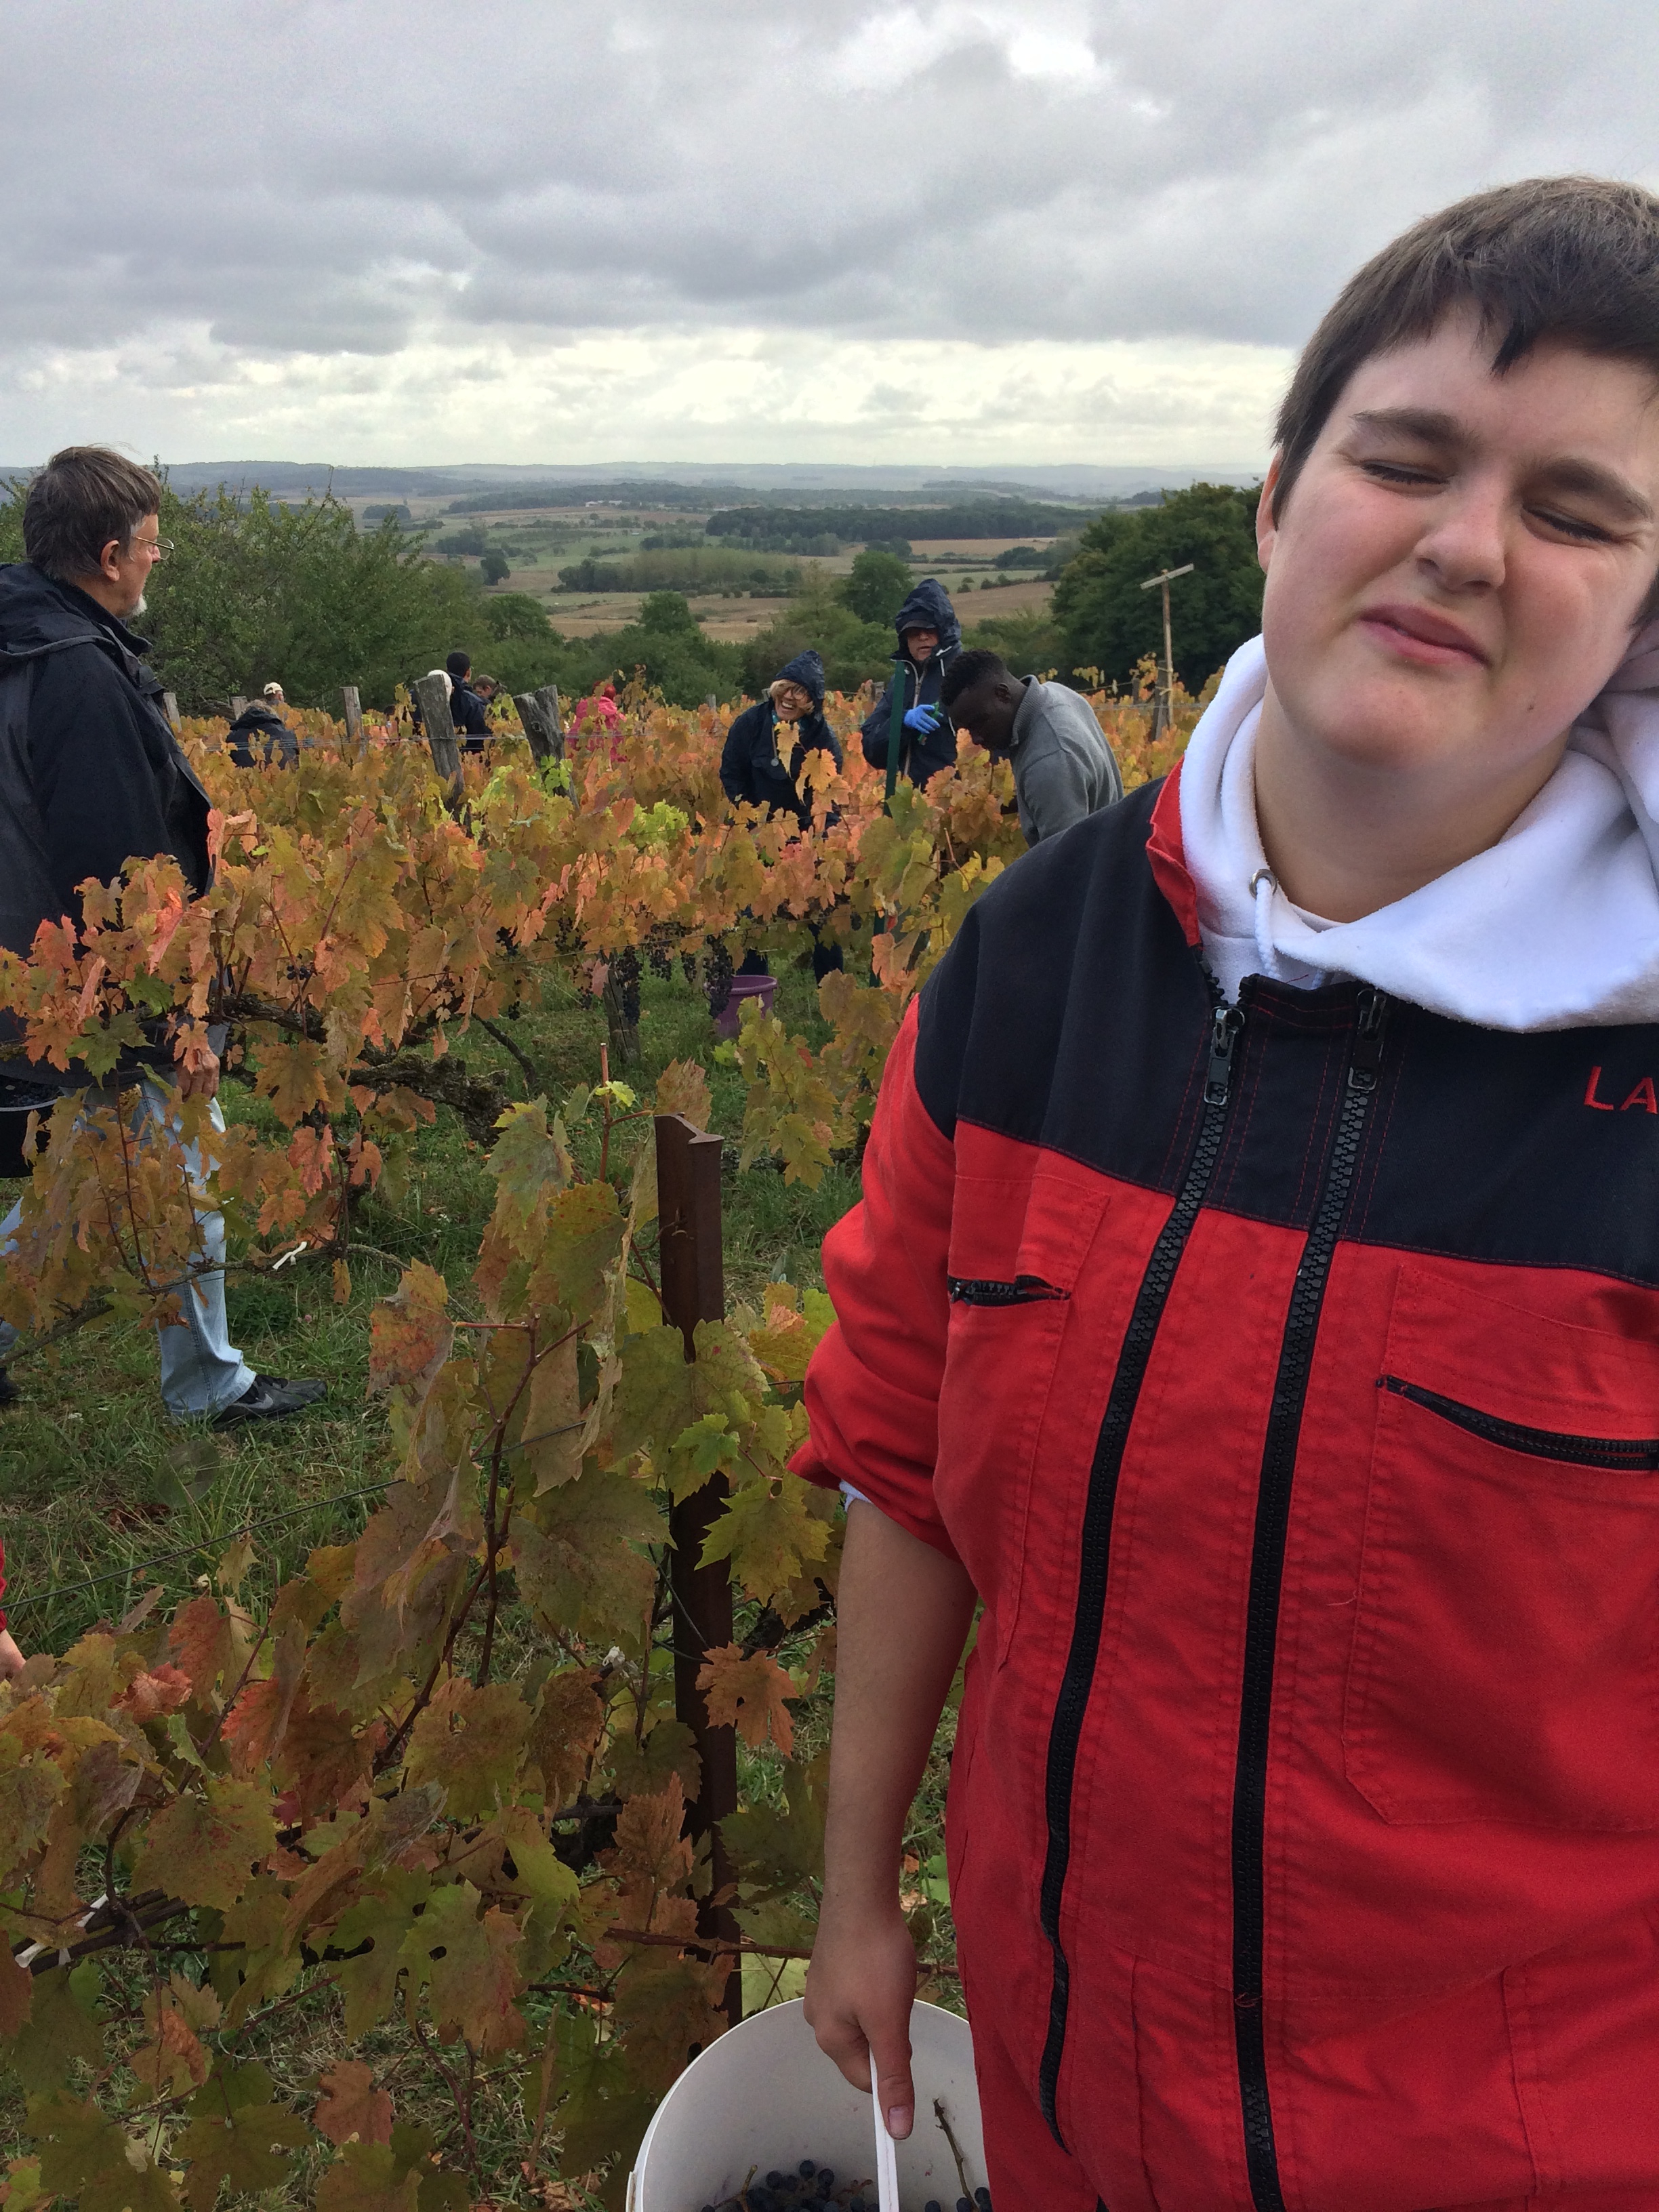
{"type": "Point", "coordinates": [766, 745]}
{"type": "Point", "coordinates": [91, 777]}
{"type": "Point", "coordinates": [260, 738]}
{"type": "Point", "coordinates": [1063, 766]}
{"type": "Point", "coordinates": [909, 712]}
{"type": "Point", "coordinates": [1254, 1301]}
{"type": "Point", "coordinates": [466, 708]}
{"type": "Point", "coordinates": [764, 759]}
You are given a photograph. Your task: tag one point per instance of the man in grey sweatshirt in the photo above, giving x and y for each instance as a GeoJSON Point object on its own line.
{"type": "Point", "coordinates": [1063, 766]}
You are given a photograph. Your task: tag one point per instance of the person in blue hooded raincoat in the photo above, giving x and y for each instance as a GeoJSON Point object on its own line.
{"type": "Point", "coordinates": [767, 745]}
{"type": "Point", "coordinates": [929, 638]}
{"type": "Point", "coordinates": [766, 751]}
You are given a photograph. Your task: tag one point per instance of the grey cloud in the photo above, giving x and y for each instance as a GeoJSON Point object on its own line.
{"type": "Point", "coordinates": [305, 178]}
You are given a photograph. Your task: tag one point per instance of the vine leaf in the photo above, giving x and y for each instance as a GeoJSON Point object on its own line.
{"type": "Point", "coordinates": [683, 1088]}
{"type": "Point", "coordinates": [62, 2027]}
{"type": "Point", "coordinates": [84, 2155]}
{"type": "Point", "coordinates": [468, 1742]}
{"type": "Point", "coordinates": [381, 1918]}
{"type": "Point", "coordinates": [16, 1995]}
{"type": "Point", "coordinates": [30, 1789]}
{"type": "Point", "coordinates": [205, 1850]}
{"type": "Point", "coordinates": [466, 1964]}
{"type": "Point", "coordinates": [351, 2106]}
{"type": "Point", "coordinates": [368, 2177]}
{"type": "Point", "coordinates": [770, 1532]}
{"type": "Point", "coordinates": [237, 2135]}
{"type": "Point", "coordinates": [232, 1571]}
{"type": "Point", "coordinates": [410, 1332]}
{"type": "Point", "coordinates": [552, 1417]}
{"type": "Point", "coordinates": [576, 1564]}
{"type": "Point", "coordinates": [565, 1732]}
{"type": "Point", "coordinates": [203, 1640]}
{"type": "Point", "coordinates": [749, 1694]}
{"type": "Point", "coordinates": [172, 2062]}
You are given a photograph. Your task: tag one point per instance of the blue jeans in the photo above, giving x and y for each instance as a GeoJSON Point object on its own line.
{"type": "Point", "coordinates": [202, 1371]}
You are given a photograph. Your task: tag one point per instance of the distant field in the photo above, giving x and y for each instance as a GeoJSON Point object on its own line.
{"type": "Point", "coordinates": [979, 552]}
{"type": "Point", "coordinates": [733, 622]}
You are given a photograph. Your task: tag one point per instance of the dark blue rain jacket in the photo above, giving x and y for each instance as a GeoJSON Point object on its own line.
{"type": "Point", "coordinates": [928, 607]}
{"type": "Point", "coordinates": [751, 770]}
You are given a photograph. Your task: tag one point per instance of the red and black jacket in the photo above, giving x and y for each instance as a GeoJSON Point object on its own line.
{"type": "Point", "coordinates": [1287, 1377]}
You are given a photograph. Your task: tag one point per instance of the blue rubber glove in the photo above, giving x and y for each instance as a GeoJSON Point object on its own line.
{"type": "Point", "coordinates": [924, 719]}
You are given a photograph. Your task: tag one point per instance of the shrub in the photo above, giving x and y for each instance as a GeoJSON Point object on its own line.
{"type": "Point", "coordinates": [1108, 622]}
{"type": "Point", "coordinates": [689, 569]}
{"type": "Point", "coordinates": [853, 650]}
{"type": "Point", "coordinates": [878, 587]}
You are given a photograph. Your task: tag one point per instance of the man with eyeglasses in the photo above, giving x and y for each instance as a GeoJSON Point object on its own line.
{"type": "Point", "coordinates": [91, 777]}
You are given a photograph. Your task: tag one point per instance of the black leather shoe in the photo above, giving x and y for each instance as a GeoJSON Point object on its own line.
{"type": "Point", "coordinates": [269, 1398]}
{"type": "Point", "coordinates": [9, 1393]}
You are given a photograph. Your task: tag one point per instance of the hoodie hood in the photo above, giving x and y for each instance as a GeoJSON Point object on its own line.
{"type": "Point", "coordinates": [256, 715]}
{"type": "Point", "coordinates": [928, 607]}
{"type": "Point", "coordinates": [39, 616]}
{"type": "Point", "coordinates": [1554, 926]}
{"type": "Point", "coordinates": [807, 670]}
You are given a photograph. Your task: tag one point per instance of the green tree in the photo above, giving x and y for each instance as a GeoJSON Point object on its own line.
{"type": "Point", "coordinates": [666, 647]}
{"type": "Point", "coordinates": [494, 566]}
{"type": "Point", "coordinates": [852, 650]}
{"type": "Point", "coordinates": [668, 612]}
{"type": "Point", "coordinates": [256, 589]}
{"type": "Point", "coordinates": [1030, 644]}
{"type": "Point", "coordinates": [514, 614]}
{"type": "Point", "coordinates": [878, 586]}
{"type": "Point", "coordinates": [1107, 622]}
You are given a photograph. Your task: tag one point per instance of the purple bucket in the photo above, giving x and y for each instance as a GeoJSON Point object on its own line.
{"type": "Point", "coordinates": [744, 987]}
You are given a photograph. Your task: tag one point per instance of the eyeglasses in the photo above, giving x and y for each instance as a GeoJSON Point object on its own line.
{"type": "Point", "coordinates": [161, 547]}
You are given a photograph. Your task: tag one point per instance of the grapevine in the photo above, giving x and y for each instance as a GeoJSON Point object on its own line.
{"type": "Point", "coordinates": [437, 1781]}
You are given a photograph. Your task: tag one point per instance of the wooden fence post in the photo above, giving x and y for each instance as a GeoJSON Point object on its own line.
{"type": "Point", "coordinates": [548, 695]}
{"type": "Point", "coordinates": [545, 744]}
{"type": "Point", "coordinates": [694, 1289]}
{"type": "Point", "coordinates": [354, 719]}
{"type": "Point", "coordinates": [170, 708]}
{"type": "Point", "coordinates": [432, 696]}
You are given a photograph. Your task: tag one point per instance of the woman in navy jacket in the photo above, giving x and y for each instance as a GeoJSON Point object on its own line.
{"type": "Point", "coordinates": [767, 745]}
{"type": "Point", "coordinates": [766, 751]}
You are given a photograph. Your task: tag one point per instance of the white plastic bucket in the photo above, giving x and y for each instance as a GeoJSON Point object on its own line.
{"type": "Point", "coordinates": [764, 2095]}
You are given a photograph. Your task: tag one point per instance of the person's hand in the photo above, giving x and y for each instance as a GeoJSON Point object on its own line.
{"type": "Point", "coordinates": [201, 1081]}
{"type": "Point", "coordinates": [12, 1661]}
{"type": "Point", "coordinates": [859, 1989]}
{"type": "Point", "coordinates": [923, 718]}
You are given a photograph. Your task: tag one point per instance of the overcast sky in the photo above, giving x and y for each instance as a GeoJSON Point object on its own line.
{"type": "Point", "coordinates": [548, 230]}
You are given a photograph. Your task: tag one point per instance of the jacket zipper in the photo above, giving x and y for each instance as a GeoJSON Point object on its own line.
{"type": "Point", "coordinates": [1024, 1290]}
{"type": "Point", "coordinates": [1639, 1456]}
{"type": "Point", "coordinates": [1273, 1513]}
{"type": "Point", "coordinates": [1078, 1681]}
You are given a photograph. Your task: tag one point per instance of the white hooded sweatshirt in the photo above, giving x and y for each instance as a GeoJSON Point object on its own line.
{"type": "Point", "coordinates": [1554, 926]}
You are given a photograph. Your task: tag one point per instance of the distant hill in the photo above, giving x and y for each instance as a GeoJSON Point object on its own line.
{"type": "Point", "coordinates": [666, 483]}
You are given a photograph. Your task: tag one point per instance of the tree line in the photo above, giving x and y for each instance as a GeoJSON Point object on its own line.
{"type": "Point", "coordinates": [257, 589]}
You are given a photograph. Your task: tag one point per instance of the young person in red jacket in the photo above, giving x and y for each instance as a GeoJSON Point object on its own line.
{"type": "Point", "coordinates": [1254, 1303]}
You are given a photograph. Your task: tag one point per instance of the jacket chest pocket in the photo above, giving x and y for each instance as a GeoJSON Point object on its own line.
{"type": "Point", "coordinates": [1018, 1246]}
{"type": "Point", "coordinates": [1505, 1658]}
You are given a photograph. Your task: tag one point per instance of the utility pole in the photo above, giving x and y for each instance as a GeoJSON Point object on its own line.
{"type": "Point", "coordinates": [1164, 706]}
